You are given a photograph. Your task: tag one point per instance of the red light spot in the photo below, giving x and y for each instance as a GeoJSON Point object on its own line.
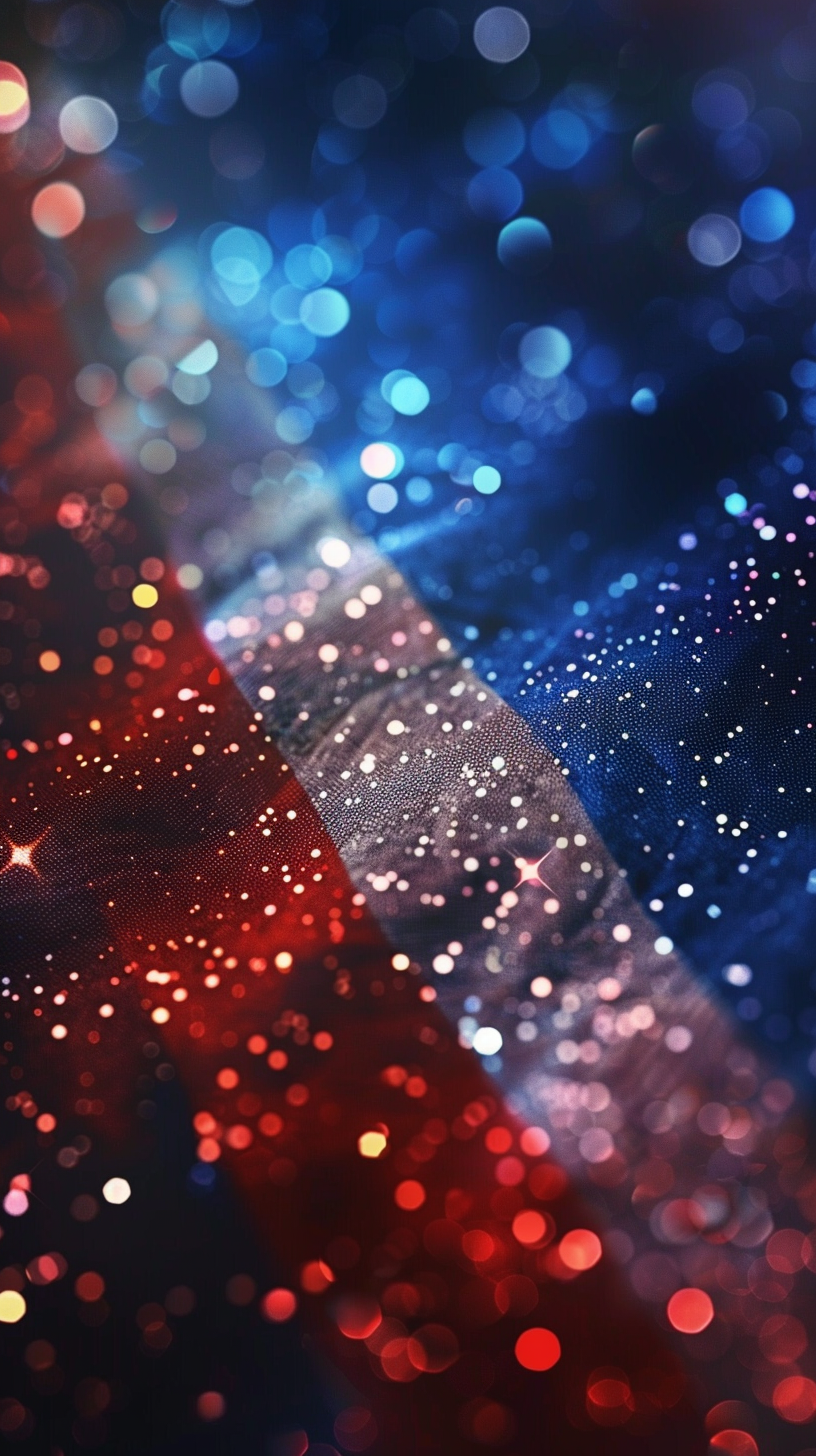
{"type": "Point", "coordinates": [270, 1124]}
{"type": "Point", "coordinates": [89, 1287]}
{"type": "Point", "coordinates": [529, 1227]}
{"type": "Point", "coordinates": [58, 209]}
{"type": "Point", "coordinates": [210, 1405]}
{"type": "Point", "coordinates": [538, 1349]}
{"type": "Point", "coordinates": [316, 1276]}
{"type": "Point", "coordinates": [498, 1140]}
{"type": "Point", "coordinates": [510, 1172]}
{"type": "Point", "coordinates": [580, 1249]}
{"type": "Point", "coordinates": [735, 1443]}
{"type": "Point", "coordinates": [358, 1316]}
{"type": "Point", "coordinates": [239, 1136]}
{"type": "Point", "coordinates": [690, 1311]}
{"type": "Point", "coordinates": [278, 1305]}
{"type": "Point", "coordinates": [409, 1195]}
{"type": "Point", "coordinates": [795, 1399]}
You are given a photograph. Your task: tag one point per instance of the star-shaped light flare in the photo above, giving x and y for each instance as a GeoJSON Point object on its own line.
{"type": "Point", "coordinates": [22, 856]}
{"type": "Point", "coordinates": [529, 871]}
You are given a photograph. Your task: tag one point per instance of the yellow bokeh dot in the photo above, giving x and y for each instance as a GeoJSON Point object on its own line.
{"type": "Point", "coordinates": [145, 595]}
{"type": "Point", "coordinates": [12, 1307]}
{"type": "Point", "coordinates": [50, 661]}
{"type": "Point", "coordinates": [371, 1144]}
{"type": "Point", "coordinates": [13, 97]}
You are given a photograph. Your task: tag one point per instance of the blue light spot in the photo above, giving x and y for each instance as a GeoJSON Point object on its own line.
{"type": "Point", "coordinates": [306, 264]}
{"type": "Point", "coordinates": [195, 34]}
{"type": "Point", "coordinates": [199, 360]}
{"type": "Point", "coordinates": [325, 312]}
{"type": "Point", "coordinates": [735, 503]}
{"type": "Point", "coordinates": [294, 424]}
{"type": "Point", "coordinates": [644, 401]}
{"type": "Point", "coordinates": [494, 138]}
{"type": "Point", "coordinates": [545, 352]}
{"type": "Point", "coordinates": [486, 479]}
{"type": "Point", "coordinates": [266, 367]}
{"type": "Point", "coordinates": [382, 497]}
{"type": "Point", "coordinates": [580, 608]}
{"type": "Point", "coordinates": [495, 194]}
{"type": "Point", "coordinates": [202, 1176]}
{"type": "Point", "coordinates": [524, 246]}
{"type": "Point", "coordinates": [339, 145]}
{"type": "Point", "coordinates": [241, 256]}
{"type": "Point", "coordinates": [409, 396]}
{"type": "Point", "coordinates": [803, 373]}
{"type": "Point", "coordinates": [726, 335]}
{"type": "Point", "coordinates": [419, 490]}
{"type": "Point", "coordinates": [559, 139]}
{"type": "Point", "coordinates": [767, 215]}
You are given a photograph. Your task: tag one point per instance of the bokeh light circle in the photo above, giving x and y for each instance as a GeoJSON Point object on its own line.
{"type": "Point", "coordinates": [767, 215]}
{"type": "Point", "coordinates": [58, 209]}
{"type": "Point", "coordinates": [12, 1307]}
{"type": "Point", "coordinates": [325, 312]}
{"type": "Point", "coordinates": [559, 139]}
{"type": "Point", "coordinates": [714, 240]}
{"type": "Point", "coordinates": [382, 497]}
{"type": "Point", "coordinates": [545, 352]}
{"type": "Point", "coordinates": [131, 299]}
{"type": "Point", "coordinates": [409, 395]}
{"type": "Point", "coordinates": [538, 1349]}
{"type": "Point", "coordinates": [334, 551]}
{"type": "Point", "coordinates": [690, 1311]}
{"type": "Point", "coordinates": [580, 1249]}
{"type": "Point", "coordinates": [209, 88]}
{"type": "Point", "coordinates": [266, 367]}
{"type": "Point", "coordinates": [495, 194]}
{"type": "Point", "coordinates": [116, 1191]}
{"type": "Point", "coordinates": [278, 1305]}
{"type": "Point", "coordinates": [794, 1399]}
{"type": "Point", "coordinates": [501, 34]}
{"type": "Point", "coordinates": [360, 102]}
{"type": "Point", "coordinates": [722, 100]}
{"type": "Point", "coordinates": [524, 246]}
{"type": "Point", "coordinates": [88, 124]}
{"type": "Point", "coordinates": [487, 479]}
{"type": "Point", "coordinates": [15, 106]}
{"type": "Point", "coordinates": [380, 461]}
